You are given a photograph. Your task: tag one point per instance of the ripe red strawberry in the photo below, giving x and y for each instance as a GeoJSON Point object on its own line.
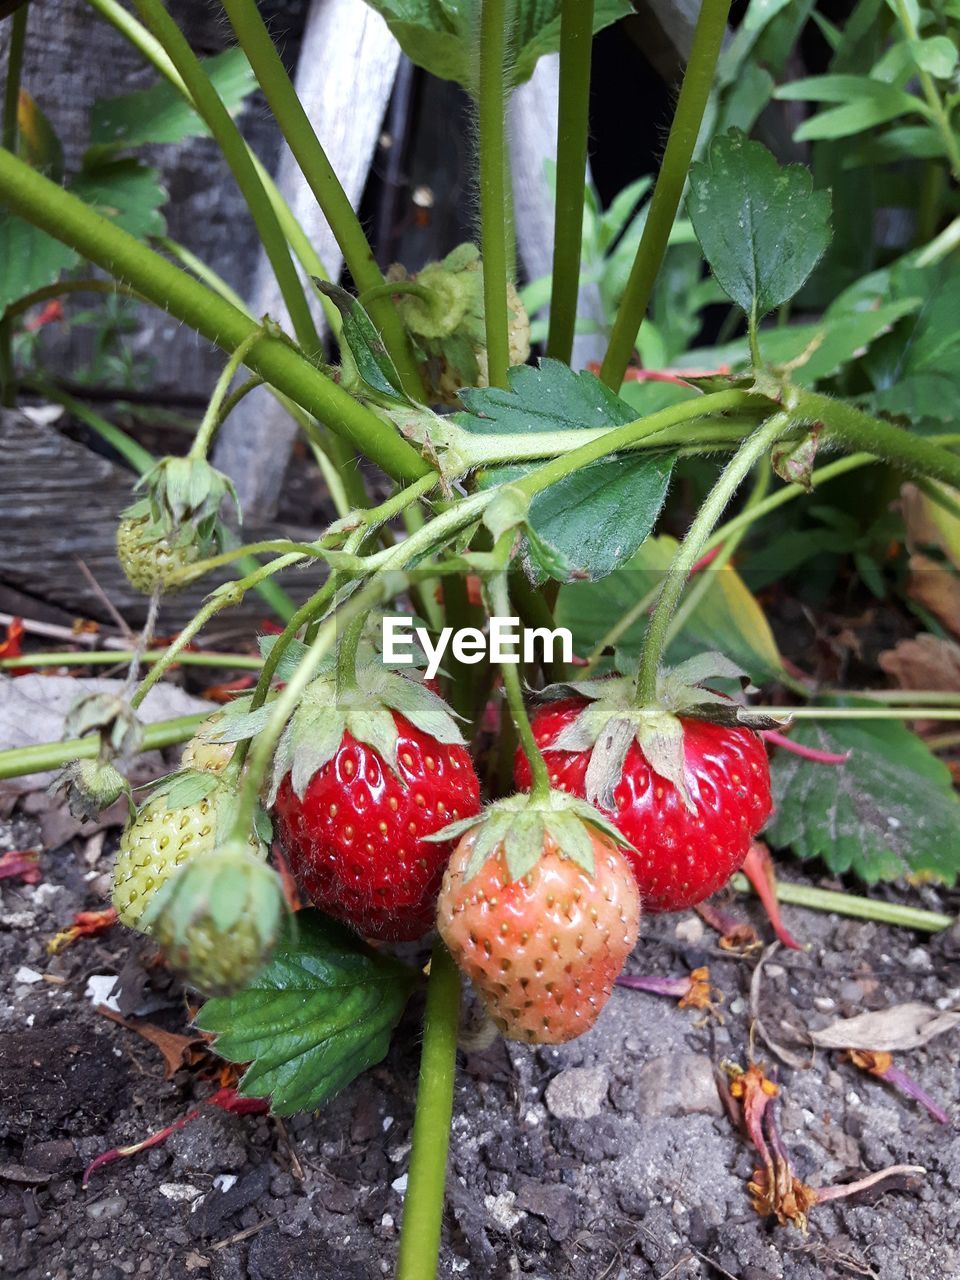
{"type": "Point", "coordinates": [540, 910]}
{"type": "Point", "coordinates": [359, 788]}
{"type": "Point", "coordinates": [690, 820]}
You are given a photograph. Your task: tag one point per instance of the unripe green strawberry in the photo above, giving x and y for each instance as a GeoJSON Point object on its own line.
{"type": "Point", "coordinates": [218, 919]}
{"type": "Point", "coordinates": [148, 559]}
{"type": "Point", "coordinates": [540, 909]}
{"type": "Point", "coordinates": [175, 825]}
{"type": "Point", "coordinates": [204, 753]}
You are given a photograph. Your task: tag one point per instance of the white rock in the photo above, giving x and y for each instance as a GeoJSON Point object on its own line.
{"type": "Point", "coordinates": [30, 976]}
{"type": "Point", "coordinates": [577, 1093]}
{"type": "Point", "coordinates": [501, 1209]}
{"type": "Point", "coordinates": [99, 987]}
{"type": "Point", "coordinates": [400, 1184]}
{"type": "Point", "coordinates": [224, 1181]}
{"type": "Point", "coordinates": [690, 931]}
{"type": "Point", "coordinates": [179, 1191]}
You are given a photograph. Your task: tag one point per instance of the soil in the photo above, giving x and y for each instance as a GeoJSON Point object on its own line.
{"type": "Point", "coordinates": [610, 1157]}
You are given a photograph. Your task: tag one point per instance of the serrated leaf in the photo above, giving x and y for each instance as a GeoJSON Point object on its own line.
{"type": "Point", "coordinates": [597, 517]}
{"type": "Point", "coordinates": [548, 396]}
{"type": "Point", "coordinates": [161, 113]}
{"type": "Point", "coordinates": [523, 844]}
{"type": "Point", "coordinates": [441, 35]}
{"type": "Point", "coordinates": [240, 725]}
{"type": "Point", "coordinates": [127, 192]}
{"type": "Point", "coordinates": [890, 810]}
{"type": "Point", "coordinates": [591, 521]}
{"type": "Point", "coordinates": [761, 226]}
{"type": "Point", "coordinates": [31, 259]}
{"type": "Point", "coordinates": [321, 1012]}
{"type": "Point", "coordinates": [308, 746]}
{"type": "Point", "coordinates": [421, 706]}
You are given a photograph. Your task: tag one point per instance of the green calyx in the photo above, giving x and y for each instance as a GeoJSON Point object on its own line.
{"type": "Point", "coordinates": [520, 826]}
{"type": "Point", "coordinates": [180, 510]}
{"type": "Point", "coordinates": [90, 786]}
{"type": "Point", "coordinates": [612, 720]}
{"type": "Point", "coordinates": [218, 919]}
{"type": "Point", "coordinates": [365, 709]}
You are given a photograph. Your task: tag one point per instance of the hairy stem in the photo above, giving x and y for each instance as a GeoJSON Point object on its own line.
{"type": "Point", "coordinates": [510, 672]}
{"type": "Point", "coordinates": [691, 549]}
{"type": "Point", "coordinates": [294, 123]}
{"type": "Point", "coordinates": [493, 187]}
{"type": "Point", "coordinates": [70, 220]}
{"type": "Point", "coordinates": [697, 80]}
{"type": "Point", "coordinates": [213, 416]}
{"type": "Point", "coordinates": [573, 122]}
{"type": "Point", "coordinates": [11, 101]}
{"type": "Point", "coordinates": [849, 904]}
{"type": "Point", "coordinates": [426, 1182]}
{"type": "Point", "coordinates": [118, 657]}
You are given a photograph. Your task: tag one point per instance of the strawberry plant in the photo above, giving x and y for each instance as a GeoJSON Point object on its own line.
{"type": "Point", "coordinates": [528, 797]}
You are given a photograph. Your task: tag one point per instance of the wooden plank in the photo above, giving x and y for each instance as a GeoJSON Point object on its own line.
{"type": "Point", "coordinates": [60, 503]}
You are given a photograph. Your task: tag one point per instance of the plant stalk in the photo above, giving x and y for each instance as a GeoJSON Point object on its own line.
{"type": "Point", "coordinates": [11, 102]}
{"type": "Point", "coordinates": [295, 125]}
{"type": "Point", "coordinates": [119, 657]}
{"type": "Point", "coordinates": [697, 82]}
{"type": "Point", "coordinates": [493, 187]}
{"type": "Point", "coordinates": [53, 755]}
{"type": "Point", "coordinates": [691, 549]}
{"type": "Point", "coordinates": [70, 220]}
{"type": "Point", "coordinates": [510, 673]}
{"type": "Point", "coordinates": [426, 1180]}
{"type": "Point", "coordinates": [573, 122]}
{"type": "Point", "coordinates": [940, 113]}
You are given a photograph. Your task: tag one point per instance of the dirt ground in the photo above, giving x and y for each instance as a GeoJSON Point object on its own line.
{"type": "Point", "coordinates": [610, 1157]}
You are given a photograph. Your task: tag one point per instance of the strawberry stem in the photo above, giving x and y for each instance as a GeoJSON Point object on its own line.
{"type": "Point", "coordinates": [692, 548]}
{"type": "Point", "coordinates": [213, 418]}
{"type": "Point", "coordinates": [423, 1204]}
{"type": "Point", "coordinates": [347, 645]}
{"type": "Point", "coordinates": [510, 671]}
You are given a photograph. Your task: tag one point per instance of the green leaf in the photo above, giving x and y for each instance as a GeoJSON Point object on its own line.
{"type": "Point", "coordinates": [31, 259]}
{"type": "Point", "coordinates": [839, 337]}
{"type": "Point", "coordinates": [125, 191]}
{"type": "Point", "coordinates": [915, 370]}
{"type": "Point", "coordinates": [362, 341]}
{"type": "Point", "coordinates": [866, 102]}
{"type": "Point", "coordinates": [890, 810]}
{"type": "Point", "coordinates": [544, 397]}
{"type": "Point", "coordinates": [592, 521]}
{"type": "Point", "coordinates": [597, 517]}
{"type": "Point", "coordinates": [322, 1011]}
{"type": "Point", "coordinates": [762, 228]}
{"type": "Point", "coordinates": [441, 35]}
{"type": "Point", "coordinates": [161, 113]}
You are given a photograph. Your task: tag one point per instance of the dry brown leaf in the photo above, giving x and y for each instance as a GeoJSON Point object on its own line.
{"type": "Point", "coordinates": [174, 1048]}
{"type": "Point", "coordinates": [925, 662]}
{"type": "Point", "coordinates": [937, 589]}
{"type": "Point", "coordinates": [902, 1026]}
